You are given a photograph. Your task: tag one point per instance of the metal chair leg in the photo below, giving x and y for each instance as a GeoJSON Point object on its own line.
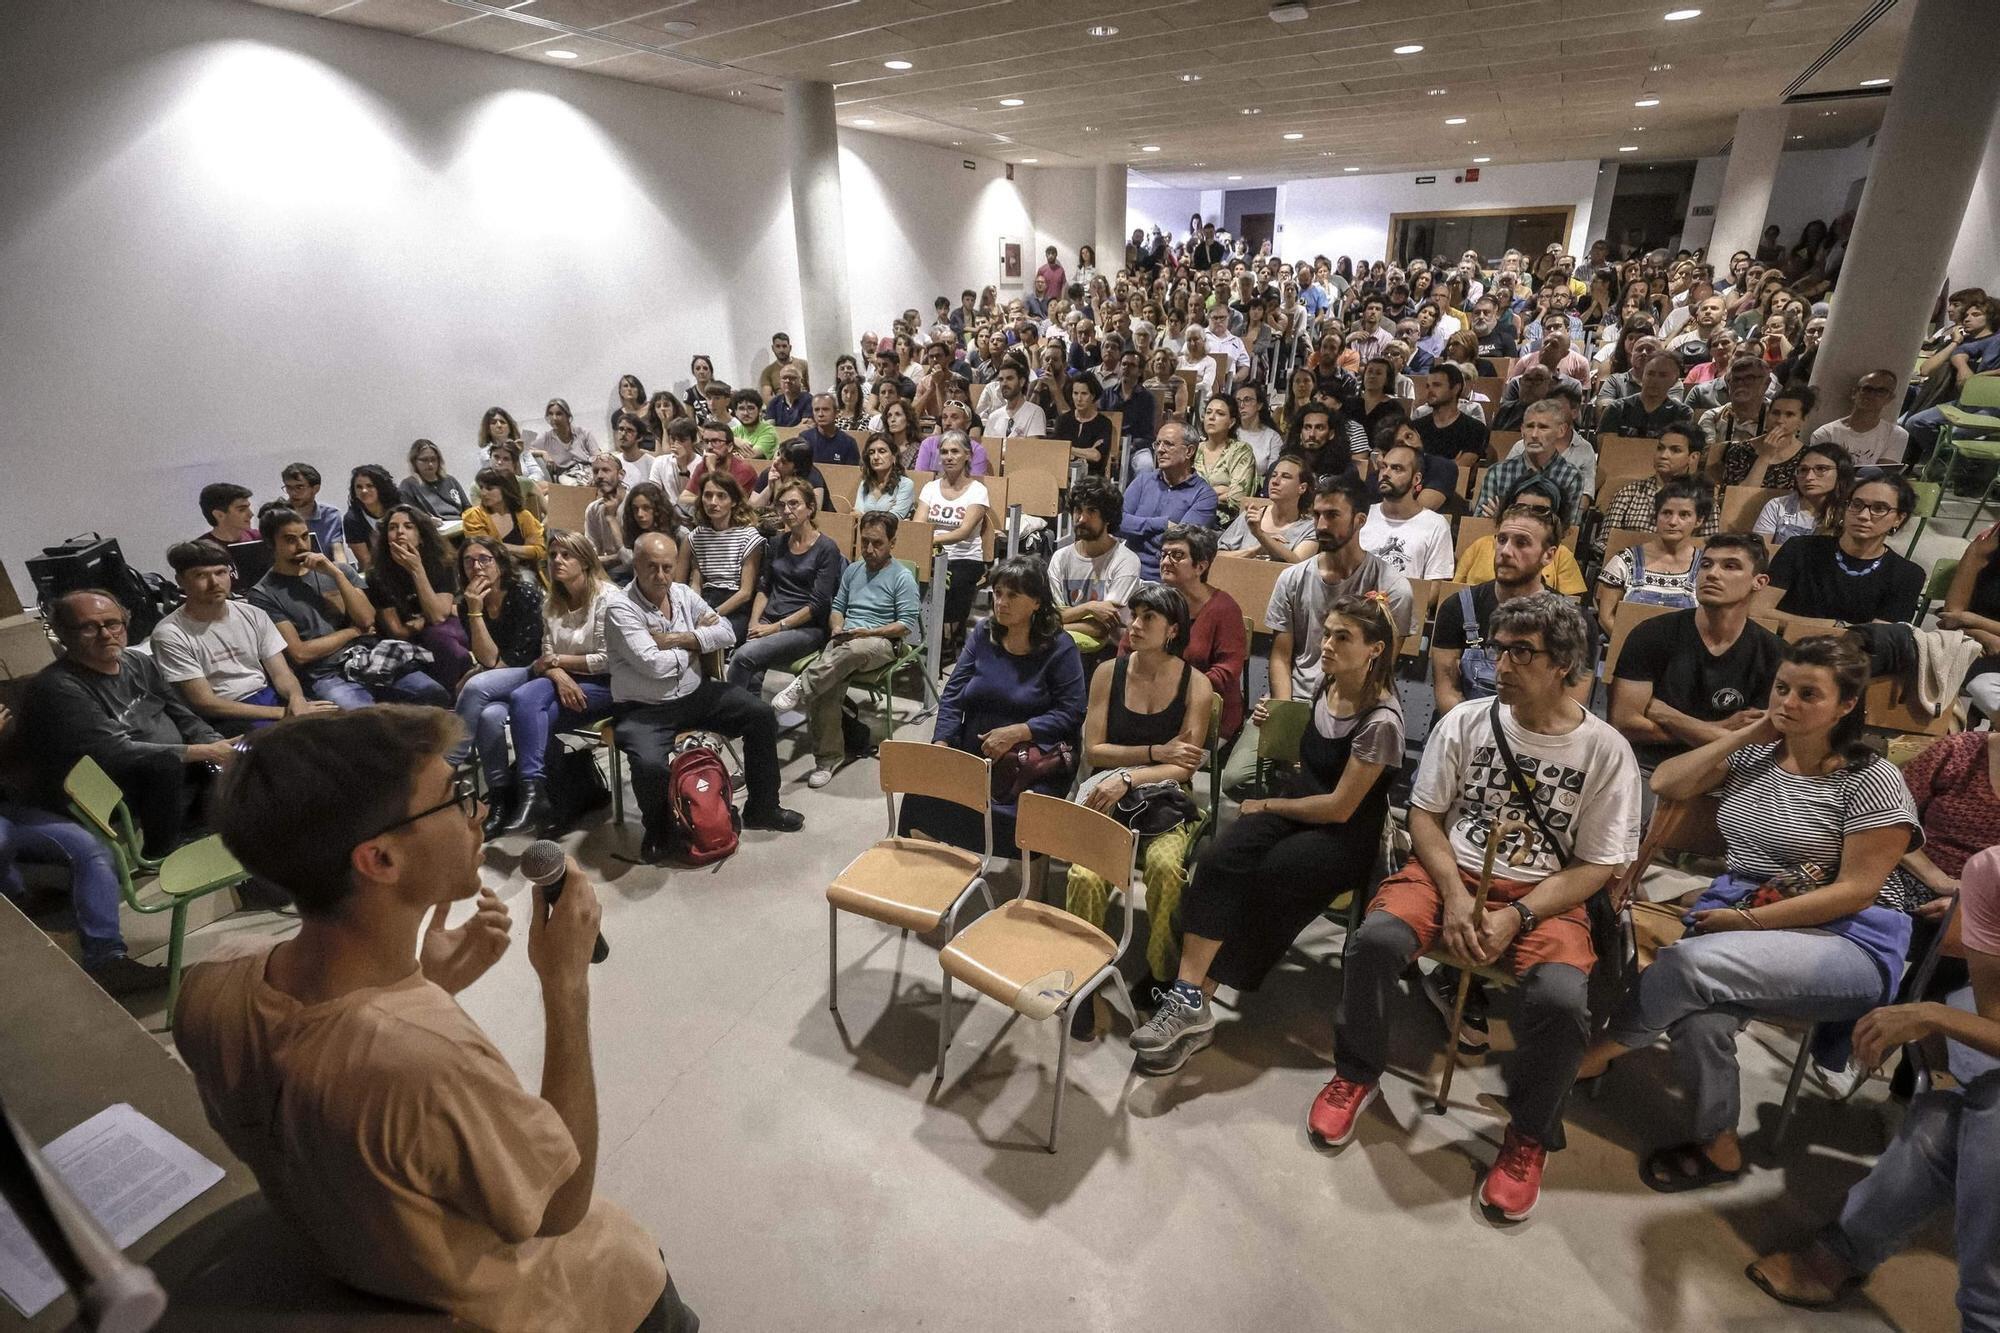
{"type": "Point", "coordinates": [944, 1023]}
{"type": "Point", "coordinates": [617, 786]}
{"type": "Point", "coordinates": [832, 959]}
{"type": "Point", "coordinates": [176, 939]}
{"type": "Point", "coordinates": [1062, 1067]}
{"type": "Point", "coordinates": [1451, 1043]}
{"type": "Point", "coordinates": [1786, 1107]}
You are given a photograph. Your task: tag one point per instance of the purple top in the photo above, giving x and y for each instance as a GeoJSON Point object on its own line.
{"type": "Point", "coordinates": [927, 457]}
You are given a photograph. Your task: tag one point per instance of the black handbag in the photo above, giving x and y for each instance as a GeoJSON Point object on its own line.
{"type": "Point", "coordinates": [576, 786]}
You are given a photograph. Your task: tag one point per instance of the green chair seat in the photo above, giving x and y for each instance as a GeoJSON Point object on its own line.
{"type": "Point", "coordinates": [1977, 422]}
{"type": "Point", "coordinates": [198, 868]}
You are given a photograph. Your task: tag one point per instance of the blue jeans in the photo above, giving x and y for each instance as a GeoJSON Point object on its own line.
{"type": "Point", "coordinates": [412, 687]}
{"type": "Point", "coordinates": [756, 656]}
{"type": "Point", "coordinates": [537, 715]}
{"type": "Point", "coordinates": [41, 838]}
{"type": "Point", "coordinates": [1941, 1157]}
{"type": "Point", "coordinates": [484, 706]}
{"type": "Point", "coordinates": [1925, 426]}
{"type": "Point", "coordinates": [1700, 992]}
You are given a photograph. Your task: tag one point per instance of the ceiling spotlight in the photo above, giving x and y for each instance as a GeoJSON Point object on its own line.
{"type": "Point", "coordinates": [1629, 148]}
{"type": "Point", "coordinates": [1436, 92]}
{"type": "Point", "coordinates": [736, 92]}
{"type": "Point", "coordinates": [1661, 69]}
{"type": "Point", "coordinates": [1190, 78]}
{"type": "Point", "coordinates": [1012, 101]}
{"type": "Point", "coordinates": [1090, 129]}
{"type": "Point", "coordinates": [1829, 113]}
{"type": "Point", "coordinates": [560, 55]}
{"type": "Point", "coordinates": [1477, 160]}
{"type": "Point", "coordinates": [1409, 50]}
{"type": "Point", "coordinates": [1454, 120]}
{"type": "Point", "coordinates": [1874, 83]}
{"type": "Point", "coordinates": [1253, 110]}
{"type": "Point", "coordinates": [1797, 137]}
{"type": "Point", "coordinates": [1350, 168]}
{"type": "Point", "coordinates": [1100, 30]}
{"type": "Point", "coordinates": [1676, 15]}
{"type": "Point", "coordinates": [1325, 153]}
{"type": "Point", "coordinates": [1030, 161]}
{"type": "Point", "coordinates": [1236, 178]}
{"type": "Point", "coordinates": [864, 123]}
{"type": "Point", "coordinates": [1294, 135]}
{"type": "Point", "coordinates": [678, 25]}
{"type": "Point", "coordinates": [1149, 148]}
{"type": "Point", "coordinates": [897, 64]}
{"type": "Point", "coordinates": [1647, 101]}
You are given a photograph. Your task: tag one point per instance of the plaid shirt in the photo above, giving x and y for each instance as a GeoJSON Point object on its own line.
{"type": "Point", "coordinates": [1508, 473]}
{"type": "Point", "coordinates": [1632, 507]}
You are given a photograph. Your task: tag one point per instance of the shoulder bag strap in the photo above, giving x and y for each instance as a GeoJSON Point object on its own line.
{"type": "Point", "coordinates": [1521, 784]}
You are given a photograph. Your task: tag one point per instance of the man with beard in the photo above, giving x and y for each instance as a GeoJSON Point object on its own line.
{"type": "Point", "coordinates": [603, 518]}
{"type": "Point", "coordinates": [1496, 338]}
{"type": "Point", "coordinates": [1463, 662]}
{"type": "Point", "coordinates": [1093, 577]}
{"type": "Point", "coordinates": [1400, 531]}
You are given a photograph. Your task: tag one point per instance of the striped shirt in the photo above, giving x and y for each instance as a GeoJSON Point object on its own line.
{"type": "Point", "coordinates": [720, 552]}
{"type": "Point", "coordinates": [1778, 822]}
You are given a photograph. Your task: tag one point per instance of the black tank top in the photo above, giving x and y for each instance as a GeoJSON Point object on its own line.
{"type": "Point", "coordinates": [1122, 726]}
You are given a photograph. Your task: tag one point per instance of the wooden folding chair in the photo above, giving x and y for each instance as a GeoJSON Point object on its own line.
{"type": "Point", "coordinates": [915, 884]}
{"type": "Point", "coordinates": [1625, 455]}
{"type": "Point", "coordinates": [1034, 957]}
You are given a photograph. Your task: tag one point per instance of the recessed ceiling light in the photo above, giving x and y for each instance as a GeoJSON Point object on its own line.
{"type": "Point", "coordinates": [1012, 101]}
{"type": "Point", "coordinates": [1325, 153]}
{"type": "Point", "coordinates": [1676, 15]}
{"type": "Point", "coordinates": [1454, 120]}
{"type": "Point", "coordinates": [1100, 30]}
{"type": "Point", "coordinates": [1190, 78]}
{"type": "Point", "coordinates": [864, 122]}
{"type": "Point", "coordinates": [1829, 113]}
{"type": "Point", "coordinates": [1472, 143]}
{"type": "Point", "coordinates": [1236, 178]}
{"type": "Point", "coordinates": [1661, 69]}
{"type": "Point", "coordinates": [1294, 134]}
{"type": "Point", "coordinates": [1350, 168]}
{"type": "Point", "coordinates": [1629, 148]}
{"type": "Point", "coordinates": [1149, 148]}
{"type": "Point", "coordinates": [958, 143]}
{"type": "Point", "coordinates": [1090, 129]}
{"type": "Point", "coordinates": [1477, 160]}
{"type": "Point", "coordinates": [897, 64]}
{"type": "Point", "coordinates": [736, 92]}
{"type": "Point", "coordinates": [1436, 92]}
{"type": "Point", "coordinates": [1030, 161]}
{"type": "Point", "coordinates": [560, 55]}
{"type": "Point", "coordinates": [1253, 110]}
{"type": "Point", "coordinates": [1647, 101]}
{"type": "Point", "coordinates": [1874, 83]}
{"type": "Point", "coordinates": [678, 25]}
{"type": "Point", "coordinates": [1409, 50]}
{"type": "Point", "coordinates": [1797, 137]}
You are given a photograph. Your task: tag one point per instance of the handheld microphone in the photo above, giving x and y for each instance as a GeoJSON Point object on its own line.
{"type": "Point", "coordinates": [547, 867]}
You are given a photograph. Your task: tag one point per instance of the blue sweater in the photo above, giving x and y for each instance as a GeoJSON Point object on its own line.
{"type": "Point", "coordinates": [991, 687]}
{"type": "Point", "coordinates": [1151, 503]}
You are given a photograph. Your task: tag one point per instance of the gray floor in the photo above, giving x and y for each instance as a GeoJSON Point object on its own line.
{"type": "Point", "coordinates": [801, 1174]}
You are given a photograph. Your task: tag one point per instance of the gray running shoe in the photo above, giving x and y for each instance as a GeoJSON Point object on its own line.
{"type": "Point", "coordinates": [1173, 1034]}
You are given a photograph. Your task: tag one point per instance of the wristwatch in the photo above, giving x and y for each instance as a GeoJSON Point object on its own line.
{"type": "Point", "coordinates": [1528, 918]}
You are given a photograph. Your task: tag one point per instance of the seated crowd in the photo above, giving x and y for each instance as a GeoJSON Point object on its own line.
{"type": "Point", "coordinates": [1421, 477]}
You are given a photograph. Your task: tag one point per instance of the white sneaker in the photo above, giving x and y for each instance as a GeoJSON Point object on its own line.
{"type": "Point", "coordinates": [819, 777]}
{"type": "Point", "coordinates": [788, 699]}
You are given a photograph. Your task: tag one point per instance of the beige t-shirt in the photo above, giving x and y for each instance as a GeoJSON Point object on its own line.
{"type": "Point", "coordinates": [389, 1129]}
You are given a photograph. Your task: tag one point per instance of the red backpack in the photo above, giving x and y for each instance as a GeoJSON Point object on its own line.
{"type": "Point", "coordinates": [704, 822]}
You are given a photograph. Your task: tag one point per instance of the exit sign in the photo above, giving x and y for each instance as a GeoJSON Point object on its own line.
{"type": "Point", "coordinates": [1427, 180]}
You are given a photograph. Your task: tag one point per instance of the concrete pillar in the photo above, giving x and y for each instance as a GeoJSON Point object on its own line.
{"type": "Point", "coordinates": [1111, 233]}
{"type": "Point", "coordinates": [812, 151]}
{"type": "Point", "coordinates": [1920, 179]}
{"type": "Point", "coordinates": [1746, 183]}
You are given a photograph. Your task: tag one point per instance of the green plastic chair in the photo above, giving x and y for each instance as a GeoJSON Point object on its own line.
{"type": "Point", "coordinates": [1968, 434]}
{"type": "Point", "coordinates": [881, 682]}
{"type": "Point", "coordinates": [1929, 493]}
{"type": "Point", "coordinates": [186, 873]}
{"type": "Point", "coordinates": [1285, 723]}
{"type": "Point", "coordinates": [1937, 585]}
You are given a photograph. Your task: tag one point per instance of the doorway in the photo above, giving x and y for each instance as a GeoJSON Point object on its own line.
{"type": "Point", "coordinates": [1489, 231]}
{"type": "Point", "coordinates": [1258, 229]}
{"type": "Point", "coordinates": [1251, 215]}
{"type": "Point", "coordinates": [1648, 207]}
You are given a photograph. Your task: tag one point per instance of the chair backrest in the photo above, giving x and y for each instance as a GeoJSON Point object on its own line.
{"type": "Point", "coordinates": [1223, 371]}
{"type": "Point", "coordinates": [916, 768]}
{"type": "Point", "coordinates": [1049, 826]}
{"type": "Point", "coordinates": [1678, 826]}
{"type": "Point", "coordinates": [1981, 391]}
{"type": "Point", "coordinates": [1423, 597]}
{"type": "Point", "coordinates": [1491, 386]}
{"type": "Point", "coordinates": [1028, 453]}
{"type": "Point", "coordinates": [1942, 573]}
{"type": "Point", "coordinates": [1619, 539]}
{"type": "Point", "coordinates": [566, 506]}
{"type": "Point", "coordinates": [1928, 494]}
{"type": "Point", "coordinates": [1629, 454]}
{"type": "Point", "coordinates": [840, 527]}
{"type": "Point", "coordinates": [1610, 483]}
{"type": "Point", "coordinates": [913, 543]}
{"type": "Point", "coordinates": [1500, 443]}
{"type": "Point", "coordinates": [1248, 581]}
{"type": "Point", "coordinates": [790, 432]}
{"type": "Point", "coordinates": [1193, 383]}
{"type": "Point", "coordinates": [1629, 616]}
{"type": "Point", "coordinates": [1503, 366]}
{"type": "Point", "coordinates": [842, 479]}
{"type": "Point", "coordinates": [1285, 724]}
{"type": "Point", "coordinates": [1766, 598]}
{"type": "Point", "coordinates": [1742, 504]}
{"type": "Point", "coordinates": [1471, 529]}
{"type": "Point", "coordinates": [1794, 628]}
{"type": "Point", "coordinates": [1891, 706]}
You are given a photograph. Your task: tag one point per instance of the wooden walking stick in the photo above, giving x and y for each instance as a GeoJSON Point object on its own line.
{"type": "Point", "coordinates": [1507, 821]}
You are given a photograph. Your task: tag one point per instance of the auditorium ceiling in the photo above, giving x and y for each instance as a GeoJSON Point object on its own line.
{"type": "Point", "coordinates": [1193, 92]}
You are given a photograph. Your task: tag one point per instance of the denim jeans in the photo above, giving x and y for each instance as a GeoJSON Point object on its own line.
{"type": "Point", "coordinates": [483, 707]}
{"type": "Point", "coordinates": [537, 715]}
{"type": "Point", "coordinates": [40, 838]}
{"type": "Point", "coordinates": [412, 687]}
{"type": "Point", "coordinates": [238, 726]}
{"type": "Point", "coordinates": [756, 656]}
{"type": "Point", "coordinates": [1925, 426]}
{"type": "Point", "coordinates": [1942, 1157]}
{"type": "Point", "coordinates": [1700, 992]}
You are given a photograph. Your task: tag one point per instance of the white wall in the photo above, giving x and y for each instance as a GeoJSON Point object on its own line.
{"type": "Point", "coordinates": [1813, 184]}
{"type": "Point", "coordinates": [1975, 259]}
{"type": "Point", "coordinates": [231, 237]}
{"type": "Point", "coordinates": [1152, 206]}
{"type": "Point", "coordinates": [1349, 215]}
{"type": "Point", "coordinates": [1063, 201]}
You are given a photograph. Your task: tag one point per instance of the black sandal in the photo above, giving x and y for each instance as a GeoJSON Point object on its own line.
{"type": "Point", "coordinates": [1664, 1170]}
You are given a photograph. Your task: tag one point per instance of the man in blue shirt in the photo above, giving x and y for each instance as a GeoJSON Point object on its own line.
{"type": "Point", "coordinates": [1972, 358]}
{"type": "Point", "coordinates": [790, 404]}
{"type": "Point", "coordinates": [323, 521]}
{"type": "Point", "coordinates": [830, 444]}
{"type": "Point", "coordinates": [875, 610]}
{"type": "Point", "coordinates": [1124, 395]}
{"type": "Point", "coordinates": [1172, 493]}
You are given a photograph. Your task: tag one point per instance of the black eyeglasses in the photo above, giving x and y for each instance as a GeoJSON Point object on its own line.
{"type": "Point", "coordinates": [464, 795]}
{"type": "Point", "coordinates": [1519, 653]}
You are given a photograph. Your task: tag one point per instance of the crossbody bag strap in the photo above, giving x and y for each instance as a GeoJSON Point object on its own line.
{"type": "Point", "coordinates": [1523, 786]}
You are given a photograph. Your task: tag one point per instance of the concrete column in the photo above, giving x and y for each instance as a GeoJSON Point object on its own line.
{"type": "Point", "coordinates": [1746, 183]}
{"type": "Point", "coordinates": [812, 151]}
{"type": "Point", "coordinates": [1920, 179]}
{"type": "Point", "coordinates": [1111, 233]}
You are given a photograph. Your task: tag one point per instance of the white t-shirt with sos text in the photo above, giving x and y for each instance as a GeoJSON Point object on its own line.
{"type": "Point", "coordinates": [947, 514]}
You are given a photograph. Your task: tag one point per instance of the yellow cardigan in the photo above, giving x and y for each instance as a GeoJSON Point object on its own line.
{"type": "Point", "coordinates": [479, 523]}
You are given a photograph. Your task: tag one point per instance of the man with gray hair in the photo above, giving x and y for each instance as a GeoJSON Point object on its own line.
{"type": "Point", "coordinates": [1558, 788]}
{"type": "Point", "coordinates": [1172, 493]}
{"type": "Point", "coordinates": [1548, 447]}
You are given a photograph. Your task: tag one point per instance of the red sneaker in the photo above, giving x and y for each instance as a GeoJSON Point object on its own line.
{"type": "Point", "coordinates": [1514, 1185]}
{"type": "Point", "coordinates": [1337, 1108]}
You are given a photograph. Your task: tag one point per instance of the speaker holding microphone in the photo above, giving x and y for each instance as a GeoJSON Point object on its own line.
{"type": "Point", "coordinates": [547, 867]}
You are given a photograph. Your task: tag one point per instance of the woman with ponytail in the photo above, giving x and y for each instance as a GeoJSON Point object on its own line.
{"type": "Point", "coordinates": [1266, 877]}
{"type": "Point", "coordinates": [1811, 921]}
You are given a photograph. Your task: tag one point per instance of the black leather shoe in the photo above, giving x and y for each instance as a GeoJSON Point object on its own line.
{"type": "Point", "coordinates": [126, 976]}
{"type": "Point", "coordinates": [653, 850]}
{"type": "Point", "coordinates": [777, 820]}
{"type": "Point", "coordinates": [499, 800]}
{"type": "Point", "coordinates": [533, 810]}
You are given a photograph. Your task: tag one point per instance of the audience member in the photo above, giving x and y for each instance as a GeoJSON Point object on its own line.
{"type": "Point", "coordinates": [883, 485]}
{"type": "Point", "coordinates": [370, 492]}
{"type": "Point", "coordinates": [224, 656]}
{"type": "Point", "coordinates": [1822, 474]}
{"type": "Point", "coordinates": [1676, 456]}
{"type": "Point", "coordinates": [1811, 919]}
{"type": "Point", "coordinates": [431, 489]}
{"type": "Point", "coordinates": [1648, 412]}
{"type": "Point", "coordinates": [1564, 574]}
{"type": "Point", "coordinates": [1171, 493]}
{"type": "Point", "coordinates": [1972, 605]}
{"type": "Point", "coordinates": [1531, 919]}
{"type": "Point", "coordinates": [1278, 865]}
{"type": "Point", "coordinates": [796, 583]}
{"type": "Point", "coordinates": [1465, 661]}
{"type": "Point", "coordinates": [302, 483]}
{"type": "Point", "coordinates": [506, 460]}
{"type": "Point", "coordinates": [729, 551]}
{"type": "Point", "coordinates": [781, 357]}
{"type": "Point", "coordinates": [1850, 575]}
{"type": "Point", "coordinates": [647, 509]}
{"type": "Point", "coordinates": [226, 506]}
{"type": "Point", "coordinates": [502, 515]}
{"type": "Point", "coordinates": [632, 448]}
{"type": "Point", "coordinates": [1217, 645]}
{"type": "Point", "coordinates": [1013, 414]}
{"type": "Point", "coordinates": [1770, 459]}
{"type": "Point", "coordinates": [1446, 431]}
{"type": "Point", "coordinates": [954, 416]}
{"type": "Point", "coordinates": [415, 593]}
{"type": "Point", "coordinates": [1275, 527]}
{"type": "Point", "coordinates": [104, 701]}
{"type": "Point", "coordinates": [1869, 432]}
{"type": "Point", "coordinates": [1737, 426]}
{"type": "Point", "coordinates": [1546, 444]}
{"type": "Point", "coordinates": [1146, 733]}
{"type": "Point", "coordinates": [1086, 427]}
{"type": "Point", "coordinates": [1659, 571]}
{"type": "Point", "coordinates": [657, 632]}
{"type": "Point", "coordinates": [363, 822]}
{"type": "Point", "coordinates": [501, 605]}
{"type": "Point", "coordinates": [791, 405]}
{"type": "Point", "coordinates": [1412, 538]}
{"type": "Point", "coordinates": [1128, 397]}
{"type": "Point", "coordinates": [604, 517]}
{"type": "Point", "coordinates": [564, 446]}
{"type": "Point", "coordinates": [830, 444]}
{"type": "Point", "coordinates": [718, 454]}
{"type": "Point", "coordinates": [956, 506]}
{"type": "Point", "coordinates": [792, 459]}
{"type": "Point", "coordinates": [1255, 426]}
{"type": "Point", "coordinates": [1092, 578]}
{"type": "Point", "coordinates": [674, 465]}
